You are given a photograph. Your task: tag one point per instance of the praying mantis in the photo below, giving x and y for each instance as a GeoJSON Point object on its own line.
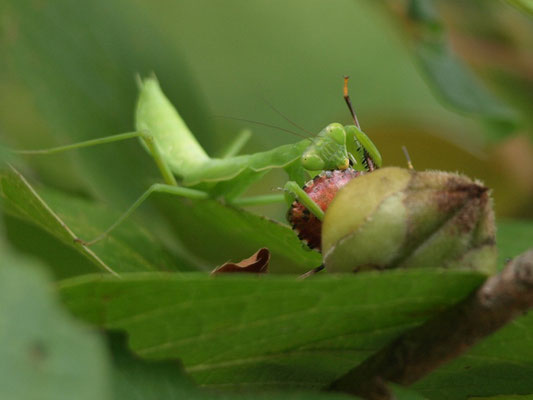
{"type": "Point", "coordinates": [189, 172]}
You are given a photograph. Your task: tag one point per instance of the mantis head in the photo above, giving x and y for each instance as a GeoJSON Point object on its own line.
{"type": "Point", "coordinates": [337, 147]}
{"type": "Point", "coordinates": [328, 151]}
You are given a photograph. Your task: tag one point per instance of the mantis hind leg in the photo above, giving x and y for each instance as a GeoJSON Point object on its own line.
{"type": "Point", "coordinates": [144, 136]}
{"type": "Point", "coordinates": [155, 188]}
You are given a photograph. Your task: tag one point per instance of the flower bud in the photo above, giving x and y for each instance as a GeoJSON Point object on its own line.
{"type": "Point", "coordinates": [399, 218]}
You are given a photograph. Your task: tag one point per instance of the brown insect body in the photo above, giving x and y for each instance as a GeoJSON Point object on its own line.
{"type": "Point", "coordinates": [322, 189]}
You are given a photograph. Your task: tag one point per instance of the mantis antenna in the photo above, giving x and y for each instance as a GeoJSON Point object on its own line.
{"type": "Point", "coordinates": [287, 118]}
{"type": "Point", "coordinates": [406, 154]}
{"type": "Point", "coordinates": [263, 124]}
{"type": "Point", "coordinates": [348, 102]}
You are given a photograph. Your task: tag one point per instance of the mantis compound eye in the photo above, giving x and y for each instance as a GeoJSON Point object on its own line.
{"type": "Point", "coordinates": [337, 133]}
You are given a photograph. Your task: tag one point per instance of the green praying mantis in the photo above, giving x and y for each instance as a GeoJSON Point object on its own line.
{"type": "Point", "coordinates": [189, 172]}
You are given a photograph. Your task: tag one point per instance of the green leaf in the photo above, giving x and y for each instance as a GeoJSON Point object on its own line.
{"type": "Point", "coordinates": [129, 248]}
{"type": "Point", "coordinates": [514, 237]}
{"type": "Point", "coordinates": [166, 380]}
{"type": "Point", "coordinates": [203, 225]}
{"type": "Point", "coordinates": [63, 261]}
{"type": "Point", "coordinates": [502, 364]}
{"type": "Point", "coordinates": [267, 332]}
{"type": "Point", "coordinates": [45, 353]}
{"type": "Point", "coordinates": [402, 393]}
{"type": "Point", "coordinates": [218, 233]}
{"type": "Point", "coordinates": [524, 5]}
{"type": "Point", "coordinates": [450, 78]}
{"type": "Point", "coordinates": [505, 397]}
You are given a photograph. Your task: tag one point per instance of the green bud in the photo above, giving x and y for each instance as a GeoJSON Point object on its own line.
{"type": "Point", "coordinates": [399, 218]}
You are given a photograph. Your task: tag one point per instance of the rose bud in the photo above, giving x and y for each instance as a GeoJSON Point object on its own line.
{"type": "Point", "coordinates": [400, 218]}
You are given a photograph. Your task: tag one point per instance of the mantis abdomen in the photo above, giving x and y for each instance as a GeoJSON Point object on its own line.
{"type": "Point", "coordinates": [157, 117]}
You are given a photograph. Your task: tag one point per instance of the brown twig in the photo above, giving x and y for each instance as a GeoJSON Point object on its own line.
{"type": "Point", "coordinates": [418, 352]}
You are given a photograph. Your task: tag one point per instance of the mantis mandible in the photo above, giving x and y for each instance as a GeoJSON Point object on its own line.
{"type": "Point", "coordinates": [189, 172]}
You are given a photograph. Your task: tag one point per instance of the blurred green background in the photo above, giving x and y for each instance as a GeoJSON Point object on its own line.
{"type": "Point", "coordinates": [451, 81]}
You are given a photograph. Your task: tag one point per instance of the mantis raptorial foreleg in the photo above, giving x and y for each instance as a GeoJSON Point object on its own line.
{"type": "Point", "coordinates": [294, 190]}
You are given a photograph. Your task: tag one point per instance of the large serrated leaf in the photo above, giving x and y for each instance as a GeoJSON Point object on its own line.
{"type": "Point", "coordinates": [166, 380]}
{"type": "Point", "coordinates": [271, 332]}
{"type": "Point", "coordinates": [218, 233]}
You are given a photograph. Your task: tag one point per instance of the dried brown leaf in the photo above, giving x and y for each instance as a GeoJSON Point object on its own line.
{"type": "Point", "coordinates": [257, 264]}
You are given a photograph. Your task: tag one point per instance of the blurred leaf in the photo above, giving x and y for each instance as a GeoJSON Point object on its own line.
{"type": "Point", "coordinates": [129, 248]}
{"type": "Point", "coordinates": [402, 393]}
{"type": "Point", "coordinates": [452, 80]}
{"type": "Point", "coordinates": [3, 153]}
{"type": "Point", "coordinates": [524, 5]}
{"type": "Point", "coordinates": [513, 238]}
{"type": "Point", "coordinates": [505, 397]}
{"type": "Point", "coordinates": [63, 261]}
{"type": "Point", "coordinates": [166, 380]}
{"type": "Point", "coordinates": [268, 332]}
{"type": "Point", "coordinates": [83, 81]}
{"type": "Point", "coordinates": [44, 353]}
{"type": "Point", "coordinates": [218, 233]}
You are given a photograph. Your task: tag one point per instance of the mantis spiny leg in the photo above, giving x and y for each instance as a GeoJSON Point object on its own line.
{"type": "Point", "coordinates": [155, 188]}
{"type": "Point", "coordinates": [146, 137]}
{"type": "Point", "coordinates": [294, 189]}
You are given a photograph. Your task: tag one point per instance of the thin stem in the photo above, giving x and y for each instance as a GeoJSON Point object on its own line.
{"type": "Point", "coordinates": [312, 272]}
{"type": "Point", "coordinates": [407, 157]}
